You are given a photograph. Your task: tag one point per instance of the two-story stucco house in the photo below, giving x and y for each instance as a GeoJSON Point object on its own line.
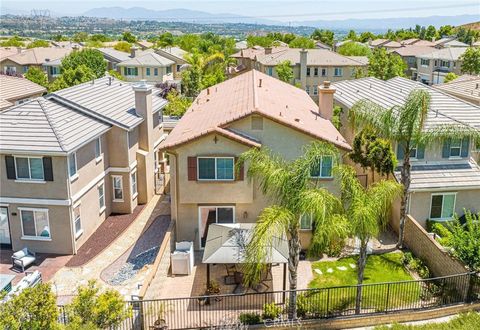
{"type": "Point", "coordinates": [432, 67]}
{"type": "Point", "coordinates": [252, 110]}
{"type": "Point", "coordinates": [445, 176]}
{"type": "Point", "coordinates": [71, 158]}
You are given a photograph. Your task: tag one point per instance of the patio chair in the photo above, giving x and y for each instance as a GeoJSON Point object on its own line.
{"type": "Point", "coordinates": [23, 258]}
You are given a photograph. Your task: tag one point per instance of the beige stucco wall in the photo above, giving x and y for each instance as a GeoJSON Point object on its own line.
{"type": "Point", "coordinates": [8, 63]}
{"type": "Point", "coordinates": [142, 73]}
{"type": "Point", "coordinates": [427, 70]}
{"type": "Point", "coordinates": [118, 147]}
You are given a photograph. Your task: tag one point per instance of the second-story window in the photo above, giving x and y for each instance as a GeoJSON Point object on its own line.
{"type": "Point", "coordinates": [315, 90]}
{"type": "Point", "coordinates": [117, 182]}
{"type": "Point", "coordinates": [133, 180]}
{"type": "Point", "coordinates": [72, 164]}
{"type": "Point", "coordinates": [155, 71]}
{"type": "Point", "coordinates": [29, 168]}
{"type": "Point", "coordinates": [269, 71]}
{"type": "Point", "coordinates": [324, 72]}
{"type": "Point", "coordinates": [216, 168]}
{"type": "Point", "coordinates": [338, 72]}
{"type": "Point", "coordinates": [455, 147]}
{"type": "Point", "coordinates": [445, 64]}
{"type": "Point", "coordinates": [424, 62]}
{"type": "Point", "coordinates": [307, 89]}
{"type": "Point", "coordinates": [323, 168]}
{"type": "Point", "coordinates": [308, 72]}
{"type": "Point", "coordinates": [148, 71]}
{"type": "Point", "coordinates": [315, 72]}
{"type": "Point", "coordinates": [98, 148]}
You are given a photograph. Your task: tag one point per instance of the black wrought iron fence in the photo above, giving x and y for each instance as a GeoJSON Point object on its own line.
{"type": "Point", "coordinates": [219, 310]}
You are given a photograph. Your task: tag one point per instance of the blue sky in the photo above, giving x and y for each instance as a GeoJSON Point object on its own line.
{"type": "Point", "coordinates": [281, 10]}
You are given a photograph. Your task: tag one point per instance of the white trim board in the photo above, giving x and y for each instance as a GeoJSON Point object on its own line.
{"type": "Point", "coordinates": [35, 201]}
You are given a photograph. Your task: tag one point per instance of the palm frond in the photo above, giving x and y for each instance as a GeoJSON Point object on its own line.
{"type": "Point", "coordinates": [366, 113]}
{"type": "Point", "coordinates": [349, 183]}
{"type": "Point", "coordinates": [413, 114]}
{"type": "Point", "coordinates": [382, 194]}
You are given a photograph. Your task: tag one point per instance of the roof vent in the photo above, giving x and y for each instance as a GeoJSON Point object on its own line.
{"type": "Point", "coordinates": [109, 81]}
{"type": "Point", "coordinates": [208, 92]}
{"type": "Point", "coordinates": [47, 60]}
{"type": "Point", "coordinates": [297, 120]}
{"type": "Point", "coordinates": [93, 81]}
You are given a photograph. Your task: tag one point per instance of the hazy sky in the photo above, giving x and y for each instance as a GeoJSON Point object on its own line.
{"type": "Point", "coordinates": [274, 9]}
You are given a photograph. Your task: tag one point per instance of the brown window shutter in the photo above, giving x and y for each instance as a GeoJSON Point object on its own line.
{"type": "Point", "coordinates": [239, 174]}
{"type": "Point", "coordinates": [192, 168]}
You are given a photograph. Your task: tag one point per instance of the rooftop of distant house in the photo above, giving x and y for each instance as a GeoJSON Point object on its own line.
{"type": "Point", "coordinates": [15, 88]}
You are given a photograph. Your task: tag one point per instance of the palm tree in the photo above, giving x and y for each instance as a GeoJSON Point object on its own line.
{"type": "Point", "coordinates": [293, 193]}
{"type": "Point", "coordinates": [405, 125]}
{"type": "Point", "coordinates": [204, 70]}
{"type": "Point", "coordinates": [367, 212]}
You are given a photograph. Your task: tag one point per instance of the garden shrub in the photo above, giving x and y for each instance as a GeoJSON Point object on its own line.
{"type": "Point", "coordinates": [416, 265]}
{"type": "Point", "coordinates": [249, 318]}
{"type": "Point", "coordinates": [271, 311]}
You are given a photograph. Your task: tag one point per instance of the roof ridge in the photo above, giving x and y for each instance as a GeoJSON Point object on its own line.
{"type": "Point", "coordinates": [52, 125]}
{"type": "Point", "coordinates": [255, 95]}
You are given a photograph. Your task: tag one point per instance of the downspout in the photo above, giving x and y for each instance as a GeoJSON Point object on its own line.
{"type": "Point", "coordinates": [70, 210]}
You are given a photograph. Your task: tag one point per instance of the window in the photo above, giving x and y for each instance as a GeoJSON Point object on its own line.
{"type": "Point", "coordinates": [215, 168]}
{"type": "Point", "coordinates": [315, 90]}
{"type": "Point", "coordinates": [155, 161]}
{"type": "Point", "coordinates": [54, 70]}
{"type": "Point", "coordinates": [101, 196]}
{"type": "Point", "coordinates": [308, 72]}
{"type": "Point", "coordinates": [77, 224]}
{"type": "Point", "coordinates": [413, 152]}
{"type": "Point", "coordinates": [72, 164]}
{"type": "Point", "coordinates": [269, 70]}
{"type": "Point", "coordinates": [213, 214]}
{"type": "Point", "coordinates": [178, 67]}
{"type": "Point", "coordinates": [148, 71]}
{"type": "Point", "coordinates": [443, 206]}
{"type": "Point", "coordinates": [323, 168]}
{"type": "Point", "coordinates": [155, 71]}
{"type": "Point", "coordinates": [98, 148]}
{"type": "Point", "coordinates": [445, 64]}
{"type": "Point", "coordinates": [133, 179]}
{"type": "Point", "coordinates": [324, 72]}
{"type": "Point", "coordinates": [424, 62]}
{"type": "Point", "coordinates": [169, 69]}
{"type": "Point", "coordinates": [307, 89]}
{"type": "Point", "coordinates": [257, 123]}
{"type": "Point", "coordinates": [29, 168]}
{"type": "Point", "coordinates": [35, 223]}
{"type": "Point", "coordinates": [338, 72]}
{"type": "Point", "coordinates": [25, 68]}
{"type": "Point", "coordinates": [306, 221]}
{"type": "Point", "coordinates": [455, 148]}
{"type": "Point", "coordinates": [117, 182]}
{"type": "Point", "coordinates": [129, 71]}
{"type": "Point", "coordinates": [315, 72]}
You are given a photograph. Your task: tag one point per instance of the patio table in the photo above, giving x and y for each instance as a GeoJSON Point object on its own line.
{"type": "Point", "coordinates": [6, 282]}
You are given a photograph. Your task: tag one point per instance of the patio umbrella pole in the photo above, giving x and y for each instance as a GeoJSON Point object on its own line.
{"type": "Point", "coordinates": [284, 281]}
{"type": "Point", "coordinates": [208, 276]}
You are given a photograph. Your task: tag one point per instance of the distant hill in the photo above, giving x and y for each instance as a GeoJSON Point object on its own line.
{"type": "Point", "coordinates": [472, 26]}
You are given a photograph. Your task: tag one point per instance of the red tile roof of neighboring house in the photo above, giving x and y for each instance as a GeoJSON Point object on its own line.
{"type": "Point", "coordinates": [250, 93]}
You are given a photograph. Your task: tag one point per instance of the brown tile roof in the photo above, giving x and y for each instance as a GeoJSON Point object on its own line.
{"type": "Point", "coordinates": [413, 50]}
{"type": "Point", "coordinates": [38, 56]}
{"type": "Point", "coordinates": [465, 87]}
{"type": "Point", "coordinates": [424, 43]}
{"type": "Point", "coordinates": [8, 51]}
{"type": "Point", "coordinates": [220, 105]}
{"type": "Point", "coordinates": [14, 88]}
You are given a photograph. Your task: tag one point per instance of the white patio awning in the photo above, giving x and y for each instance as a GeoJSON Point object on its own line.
{"type": "Point", "coordinates": [226, 244]}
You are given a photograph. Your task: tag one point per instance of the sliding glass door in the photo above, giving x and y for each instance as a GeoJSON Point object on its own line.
{"type": "Point", "coordinates": [213, 214]}
{"type": "Point", "coordinates": [4, 228]}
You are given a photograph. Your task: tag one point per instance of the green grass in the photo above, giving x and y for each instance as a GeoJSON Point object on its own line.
{"type": "Point", "coordinates": [468, 321]}
{"type": "Point", "coordinates": [380, 268]}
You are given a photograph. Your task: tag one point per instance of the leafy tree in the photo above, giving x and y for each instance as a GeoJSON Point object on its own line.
{"type": "Point", "coordinates": [430, 33]}
{"type": "Point", "coordinates": [351, 36]}
{"type": "Point", "coordinates": [405, 125]}
{"type": "Point", "coordinates": [116, 75]}
{"type": "Point", "coordinates": [37, 76]}
{"type": "Point", "coordinates": [449, 77]}
{"type": "Point", "coordinates": [166, 40]}
{"type": "Point", "coordinates": [367, 212]}
{"type": "Point", "coordinates": [366, 36]}
{"type": "Point", "coordinates": [445, 31]}
{"type": "Point", "coordinates": [385, 65]}
{"type": "Point", "coordinates": [177, 104]}
{"type": "Point", "coordinates": [188, 42]}
{"type": "Point", "coordinates": [467, 36]}
{"type": "Point", "coordinates": [59, 37]}
{"type": "Point", "coordinates": [284, 71]}
{"type": "Point", "coordinates": [38, 43]}
{"type": "Point", "coordinates": [463, 239]}
{"type": "Point", "coordinates": [105, 310]}
{"type": "Point", "coordinates": [128, 37]}
{"type": "Point", "coordinates": [100, 37]}
{"type": "Point", "coordinates": [302, 42]}
{"type": "Point", "coordinates": [33, 308]}
{"type": "Point", "coordinates": [123, 46]}
{"type": "Point", "coordinates": [72, 77]}
{"type": "Point", "coordinates": [80, 37]}
{"type": "Point", "coordinates": [293, 194]}
{"type": "Point", "coordinates": [390, 35]}
{"type": "Point", "coordinates": [353, 49]}
{"type": "Point", "coordinates": [14, 41]}
{"type": "Point", "coordinates": [325, 36]}
{"type": "Point", "coordinates": [259, 41]}
{"type": "Point", "coordinates": [91, 58]}
{"type": "Point", "coordinates": [471, 61]}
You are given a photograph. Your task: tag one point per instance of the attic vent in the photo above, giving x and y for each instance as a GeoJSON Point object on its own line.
{"type": "Point", "coordinates": [257, 123]}
{"type": "Point", "coordinates": [297, 120]}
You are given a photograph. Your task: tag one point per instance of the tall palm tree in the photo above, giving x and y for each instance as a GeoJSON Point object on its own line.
{"type": "Point", "coordinates": [293, 193]}
{"type": "Point", "coordinates": [367, 212]}
{"type": "Point", "coordinates": [204, 70]}
{"type": "Point", "coordinates": [406, 125]}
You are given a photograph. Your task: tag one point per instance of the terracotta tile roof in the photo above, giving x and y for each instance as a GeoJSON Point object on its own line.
{"type": "Point", "coordinates": [413, 50]}
{"type": "Point", "coordinates": [220, 105]}
{"type": "Point", "coordinates": [40, 55]}
{"type": "Point", "coordinates": [14, 88]}
{"type": "Point", "coordinates": [424, 43]}
{"type": "Point", "coordinates": [8, 51]}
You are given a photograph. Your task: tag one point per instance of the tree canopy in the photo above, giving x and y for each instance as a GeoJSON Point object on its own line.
{"type": "Point", "coordinates": [90, 58]}
{"type": "Point", "coordinates": [471, 61]}
{"type": "Point", "coordinates": [353, 48]}
{"type": "Point", "coordinates": [284, 71]}
{"type": "Point", "coordinates": [324, 36]}
{"type": "Point", "coordinates": [383, 65]}
{"type": "Point", "coordinates": [123, 46]}
{"type": "Point", "coordinates": [128, 37]}
{"type": "Point", "coordinates": [37, 76]}
{"type": "Point", "coordinates": [38, 43]}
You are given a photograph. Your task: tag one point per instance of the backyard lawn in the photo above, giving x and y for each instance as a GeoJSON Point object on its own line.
{"type": "Point", "coordinates": [380, 268]}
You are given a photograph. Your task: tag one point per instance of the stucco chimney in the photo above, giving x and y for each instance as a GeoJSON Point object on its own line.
{"type": "Point", "coordinates": [143, 108]}
{"type": "Point", "coordinates": [325, 100]}
{"type": "Point", "coordinates": [133, 51]}
{"type": "Point", "coordinates": [303, 67]}
{"type": "Point", "coordinates": [268, 50]}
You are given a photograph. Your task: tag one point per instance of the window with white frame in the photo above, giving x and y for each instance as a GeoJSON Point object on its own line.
{"type": "Point", "coordinates": [306, 221]}
{"type": "Point", "coordinates": [29, 168]}
{"type": "Point", "coordinates": [72, 164]}
{"type": "Point", "coordinates": [101, 196]}
{"type": "Point", "coordinates": [323, 168]}
{"type": "Point", "coordinates": [216, 168]}
{"type": "Point", "coordinates": [443, 206]}
{"type": "Point", "coordinates": [315, 90]}
{"type": "Point", "coordinates": [338, 72]}
{"type": "Point", "coordinates": [308, 72]}
{"type": "Point", "coordinates": [148, 71]}
{"type": "Point", "coordinates": [35, 223]}
{"type": "Point", "coordinates": [77, 223]}
{"type": "Point", "coordinates": [155, 71]}
{"type": "Point", "coordinates": [315, 72]}
{"type": "Point", "coordinates": [117, 182]}
{"type": "Point", "coordinates": [413, 152]}
{"type": "Point", "coordinates": [444, 64]}
{"type": "Point", "coordinates": [424, 62]}
{"type": "Point", "coordinates": [307, 89]}
{"type": "Point", "coordinates": [455, 147]}
{"type": "Point", "coordinates": [133, 179]}
{"type": "Point", "coordinates": [98, 148]}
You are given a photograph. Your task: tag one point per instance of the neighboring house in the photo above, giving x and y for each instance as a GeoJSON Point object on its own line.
{"type": "Point", "coordinates": [35, 57]}
{"type": "Point", "coordinates": [8, 51]}
{"type": "Point", "coordinates": [476, 44]}
{"type": "Point", "coordinates": [175, 54]}
{"type": "Point", "coordinates": [433, 67]}
{"type": "Point", "coordinates": [321, 45]}
{"type": "Point", "coordinates": [239, 45]}
{"type": "Point", "coordinates": [311, 67]}
{"type": "Point", "coordinates": [417, 42]}
{"type": "Point", "coordinates": [252, 110]}
{"type": "Point", "coordinates": [246, 57]}
{"type": "Point", "coordinates": [384, 43]}
{"type": "Point", "coordinates": [147, 66]}
{"type": "Point", "coordinates": [113, 57]}
{"type": "Point", "coordinates": [465, 87]}
{"type": "Point", "coordinates": [16, 90]}
{"type": "Point", "coordinates": [449, 42]}
{"type": "Point", "coordinates": [65, 44]}
{"type": "Point", "coordinates": [409, 54]}
{"type": "Point", "coordinates": [445, 177]}
{"type": "Point", "coordinates": [143, 44]}
{"type": "Point", "coordinates": [72, 158]}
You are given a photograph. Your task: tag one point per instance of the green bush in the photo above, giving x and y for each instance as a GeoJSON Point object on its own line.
{"type": "Point", "coordinates": [416, 265]}
{"type": "Point", "coordinates": [271, 311]}
{"type": "Point", "coordinates": [249, 318]}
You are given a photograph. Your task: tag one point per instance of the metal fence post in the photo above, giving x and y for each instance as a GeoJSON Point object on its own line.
{"type": "Point", "coordinates": [387, 298]}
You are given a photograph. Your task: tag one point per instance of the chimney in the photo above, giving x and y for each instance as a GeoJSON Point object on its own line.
{"type": "Point", "coordinates": [268, 50]}
{"type": "Point", "coordinates": [19, 50]}
{"type": "Point", "coordinates": [303, 68]}
{"type": "Point", "coordinates": [133, 51]}
{"type": "Point", "coordinates": [325, 100]}
{"type": "Point", "coordinates": [75, 47]}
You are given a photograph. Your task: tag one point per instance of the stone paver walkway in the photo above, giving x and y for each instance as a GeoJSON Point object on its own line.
{"type": "Point", "coordinates": [67, 279]}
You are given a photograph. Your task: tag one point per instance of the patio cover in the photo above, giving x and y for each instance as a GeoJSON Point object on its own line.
{"type": "Point", "coordinates": [226, 244]}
